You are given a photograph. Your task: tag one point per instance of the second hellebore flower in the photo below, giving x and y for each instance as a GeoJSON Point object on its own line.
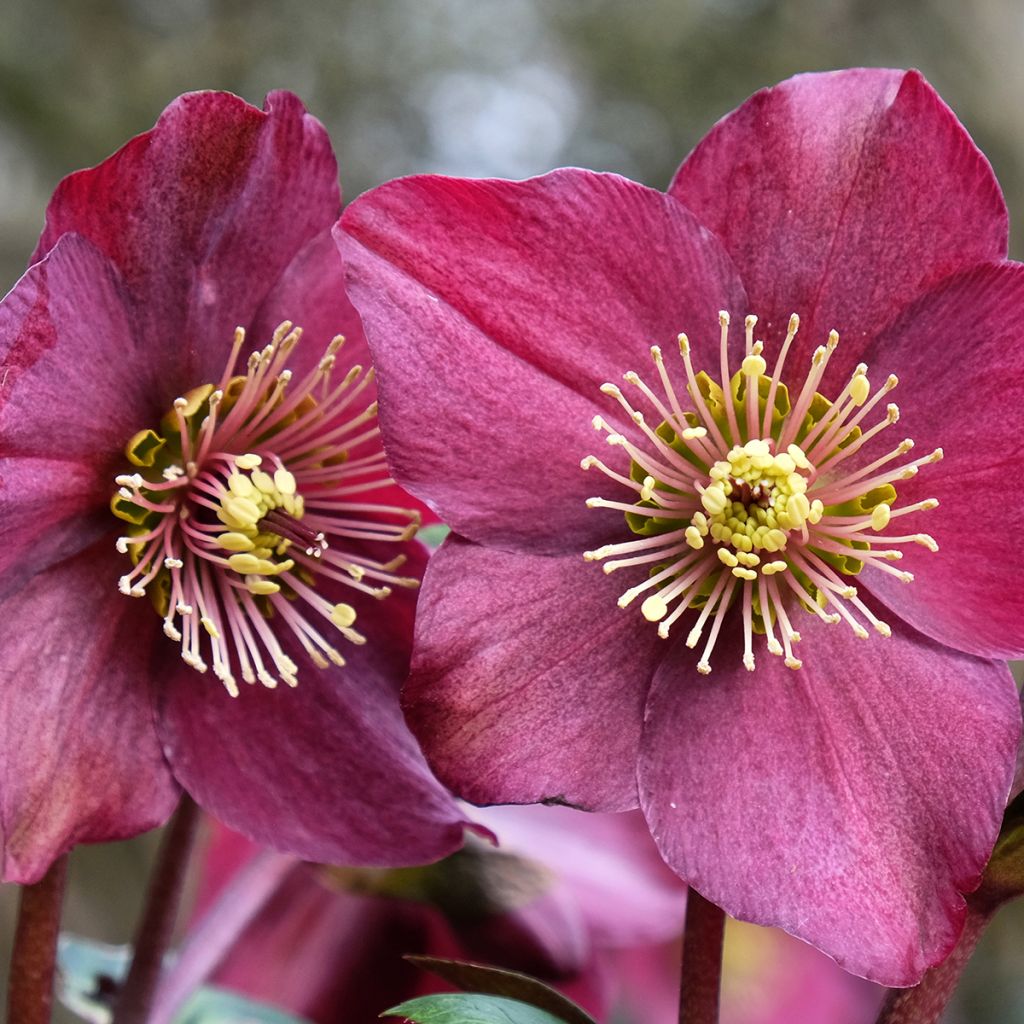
{"type": "Point", "coordinates": [818, 740]}
{"type": "Point", "coordinates": [231, 481]}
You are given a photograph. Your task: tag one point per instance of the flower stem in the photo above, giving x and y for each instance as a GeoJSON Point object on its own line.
{"type": "Point", "coordinates": [156, 927]}
{"type": "Point", "coordinates": [30, 992]}
{"type": "Point", "coordinates": [925, 1002]}
{"type": "Point", "coordinates": [701, 975]}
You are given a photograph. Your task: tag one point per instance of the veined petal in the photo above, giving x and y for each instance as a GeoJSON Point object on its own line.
{"type": "Point", "coordinates": [960, 361]}
{"type": "Point", "coordinates": [842, 196]}
{"type": "Point", "coordinates": [495, 310]}
{"type": "Point", "coordinates": [835, 802]}
{"type": "Point", "coordinates": [202, 215]}
{"type": "Point", "coordinates": [79, 757]}
{"type": "Point", "coordinates": [69, 399]}
{"type": "Point", "coordinates": [528, 683]}
{"type": "Point", "coordinates": [345, 782]}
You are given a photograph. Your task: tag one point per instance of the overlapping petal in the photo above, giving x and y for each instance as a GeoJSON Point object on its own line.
{"type": "Point", "coordinates": [79, 756]}
{"type": "Point", "coordinates": [327, 770]}
{"type": "Point", "coordinates": [496, 310]}
{"type": "Point", "coordinates": [957, 352]}
{"type": "Point", "coordinates": [202, 215]}
{"type": "Point", "coordinates": [527, 682]}
{"type": "Point", "coordinates": [836, 801]}
{"type": "Point", "coordinates": [842, 196]}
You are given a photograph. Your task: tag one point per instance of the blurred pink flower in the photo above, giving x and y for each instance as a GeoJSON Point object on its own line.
{"type": "Point", "coordinates": [561, 891]}
{"type": "Point", "coordinates": [852, 800]}
{"type": "Point", "coordinates": [248, 468]}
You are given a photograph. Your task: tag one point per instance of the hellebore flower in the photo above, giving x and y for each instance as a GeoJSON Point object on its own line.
{"type": "Point", "coordinates": [747, 491]}
{"type": "Point", "coordinates": [243, 522]}
{"type": "Point", "coordinates": [561, 893]}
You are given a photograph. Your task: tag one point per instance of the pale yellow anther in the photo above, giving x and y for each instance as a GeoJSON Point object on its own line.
{"type": "Point", "coordinates": [757, 446]}
{"type": "Point", "coordinates": [891, 381]}
{"type": "Point", "coordinates": [701, 522]}
{"type": "Point", "coordinates": [244, 564]}
{"type": "Point", "coordinates": [744, 574]}
{"type": "Point", "coordinates": [690, 433]}
{"type": "Point", "coordinates": [647, 490]}
{"type": "Point", "coordinates": [234, 541]}
{"type": "Point", "coordinates": [748, 559]}
{"type": "Point", "coordinates": [817, 511]}
{"type": "Point", "coordinates": [796, 453]}
{"type": "Point", "coordinates": [210, 628]}
{"type": "Point", "coordinates": [785, 463]}
{"type": "Point", "coordinates": [771, 568]}
{"type": "Point", "coordinates": [936, 456]}
{"type": "Point", "coordinates": [261, 587]}
{"type": "Point", "coordinates": [240, 485]}
{"type": "Point", "coordinates": [884, 628]}
{"type": "Point", "coordinates": [343, 615]}
{"type": "Point", "coordinates": [714, 500]}
{"type": "Point", "coordinates": [242, 510]}
{"type": "Point", "coordinates": [723, 318]}
{"type": "Point", "coordinates": [263, 481]}
{"type": "Point", "coordinates": [927, 541]}
{"type": "Point", "coordinates": [754, 366]}
{"type": "Point", "coordinates": [588, 462]}
{"type": "Point", "coordinates": [684, 344]}
{"type": "Point", "coordinates": [880, 516]}
{"type": "Point", "coordinates": [284, 481]}
{"type": "Point", "coordinates": [693, 538]}
{"type": "Point", "coordinates": [611, 389]}
{"type": "Point", "coordinates": [726, 557]}
{"type": "Point", "coordinates": [750, 322]}
{"type": "Point", "coordinates": [892, 412]}
{"type": "Point", "coordinates": [654, 609]}
{"type": "Point", "coordinates": [860, 389]}
{"type": "Point", "coordinates": [794, 663]}
{"type": "Point", "coordinates": [704, 668]}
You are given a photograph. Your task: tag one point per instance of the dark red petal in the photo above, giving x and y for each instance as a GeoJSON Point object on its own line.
{"type": "Point", "coordinates": [495, 310]}
{"type": "Point", "coordinates": [528, 683]}
{"type": "Point", "coordinates": [202, 215]}
{"type": "Point", "coordinates": [69, 401]}
{"type": "Point", "coordinates": [841, 196]}
{"type": "Point", "coordinates": [327, 770]}
{"type": "Point", "coordinates": [79, 757]}
{"type": "Point", "coordinates": [850, 802]}
{"type": "Point", "coordinates": [961, 367]}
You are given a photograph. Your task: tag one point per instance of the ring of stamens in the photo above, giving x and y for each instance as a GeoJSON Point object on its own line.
{"type": "Point", "coordinates": [748, 498]}
{"type": "Point", "coordinates": [249, 494]}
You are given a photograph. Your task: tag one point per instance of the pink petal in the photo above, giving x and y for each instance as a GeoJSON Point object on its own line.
{"type": "Point", "coordinates": [528, 683]}
{"type": "Point", "coordinates": [961, 367]}
{"type": "Point", "coordinates": [849, 802]}
{"type": "Point", "coordinates": [202, 215]}
{"type": "Point", "coordinates": [79, 758]}
{"type": "Point", "coordinates": [607, 862]}
{"type": "Point", "coordinates": [327, 770]}
{"type": "Point", "coordinates": [495, 310]}
{"type": "Point", "coordinates": [69, 401]}
{"type": "Point", "coordinates": [841, 196]}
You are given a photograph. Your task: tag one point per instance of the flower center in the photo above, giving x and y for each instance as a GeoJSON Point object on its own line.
{"type": "Point", "coordinates": [748, 497]}
{"type": "Point", "coordinates": [248, 496]}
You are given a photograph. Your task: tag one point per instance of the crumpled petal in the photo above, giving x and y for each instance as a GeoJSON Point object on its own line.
{"type": "Point", "coordinates": [842, 196]}
{"type": "Point", "coordinates": [849, 802]}
{"type": "Point", "coordinates": [202, 215]}
{"type": "Point", "coordinates": [495, 310]}
{"type": "Point", "coordinates": [961, 367]}
{"type": "Point", "coordinates": [69, 402]}
{"type": "Point", "coordinates": [528, 683]}
{"type": "Point", "coordinates": [327, 770]}
{"type": "Point", "coordinates": [79, 757]}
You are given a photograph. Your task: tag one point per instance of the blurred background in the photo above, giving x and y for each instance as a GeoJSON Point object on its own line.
{"type": "Point", "coordinates": [476, 87]}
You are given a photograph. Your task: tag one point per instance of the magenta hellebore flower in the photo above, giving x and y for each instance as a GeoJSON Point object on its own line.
{"type": "Point", "coordinates": [816, 742]}
{"type": "Point", "coordinates": [229, 480]}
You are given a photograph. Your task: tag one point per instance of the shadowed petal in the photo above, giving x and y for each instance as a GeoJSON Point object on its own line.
{"type": "Point", "coordinates": [202, 215]}
{"type": "Point", "coordinates": [849, 802]}
{"type": "Point", "coordinates": [961, 366]}
{"type": "Point", "coordinates": [528, 683]}
{"type": "Point", "coordinates": [79, 757]}
{"type": "Point", "coordinates": [69, 401]}
{"type": "Point", "coordinates": [495, 310]}
{"type": "Point", "coordinates": [327, 770]}
{"type": "Point", "coordinates": [841, 196]}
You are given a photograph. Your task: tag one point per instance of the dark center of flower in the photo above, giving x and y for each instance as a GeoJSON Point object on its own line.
{"type": "Point", "coordinates": [248, 495]}
{"type": "Point", "coordinates": [748, 496]}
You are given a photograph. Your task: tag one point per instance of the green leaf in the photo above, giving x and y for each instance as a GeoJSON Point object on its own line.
{"type": "Point", "coordinates": [496, 981]}
{"type": "Point", "coordinates": [219, 1006]}
{"type": "Point", "coordinates": [469, 1008]}
{"type": "Point", "coordinates": [432, 536]}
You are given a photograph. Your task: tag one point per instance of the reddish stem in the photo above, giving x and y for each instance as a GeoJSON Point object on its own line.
{"type": "Point", "coordinates": [156, 926]}
{"type": "Point", "coordinates": [701, 975]}
{"type": "Point", "coordinates": [924, 1003]}
{"type": "Point", "coordinates": [30, 992]}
